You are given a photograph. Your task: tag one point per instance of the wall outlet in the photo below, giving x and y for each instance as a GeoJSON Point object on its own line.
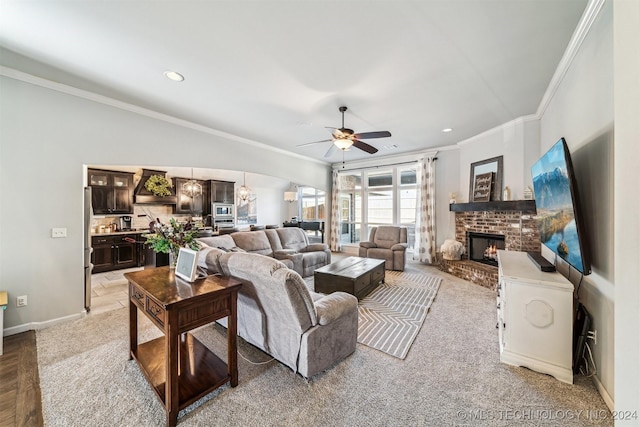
{"type": "Point", "coordinates": [57, 233]}
{"type": "Point", "coordinates": [21, 301]}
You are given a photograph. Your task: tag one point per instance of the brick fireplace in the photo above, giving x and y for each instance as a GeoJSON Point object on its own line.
{"type": "Point", "coordinates": [512, 219]}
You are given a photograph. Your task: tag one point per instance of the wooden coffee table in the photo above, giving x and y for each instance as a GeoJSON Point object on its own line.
{"type": "Point", "coordinates": [354, 275]}
{"type": "Point", "coordinates": [180, 368]}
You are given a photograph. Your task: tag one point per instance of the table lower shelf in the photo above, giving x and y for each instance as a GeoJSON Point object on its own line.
{"type": "Point", "coordinates": [199, 372]}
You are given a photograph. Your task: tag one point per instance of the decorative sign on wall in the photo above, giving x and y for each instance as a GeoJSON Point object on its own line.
{"type": "Point", "coordinates": [482, 187]}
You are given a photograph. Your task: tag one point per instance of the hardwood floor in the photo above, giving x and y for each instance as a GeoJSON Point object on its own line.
{"type": "Point", "coordinates": [20, 403]}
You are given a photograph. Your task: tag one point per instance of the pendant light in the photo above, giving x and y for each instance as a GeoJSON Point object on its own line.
{"type": "Point", "coordinates": [192, 188]}
{"type": "Point", "coordinates": [244, 192]}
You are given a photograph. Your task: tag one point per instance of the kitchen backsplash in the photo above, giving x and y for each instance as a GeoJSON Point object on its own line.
{"type": "Point", "coordinates": [163, 212]}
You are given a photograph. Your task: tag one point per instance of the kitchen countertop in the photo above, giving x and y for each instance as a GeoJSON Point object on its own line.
{"type": "Point", "coordinates": [119, 233]}
{"type": "Point", "coordinates": [133, 231]}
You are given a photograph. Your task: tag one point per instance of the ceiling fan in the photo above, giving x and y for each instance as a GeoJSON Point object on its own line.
{"type": "Point", "coordinates": [344, 138]}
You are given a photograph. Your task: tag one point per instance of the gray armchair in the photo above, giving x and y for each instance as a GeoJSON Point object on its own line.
{"type": "Point", "coordinates": [387, 242]}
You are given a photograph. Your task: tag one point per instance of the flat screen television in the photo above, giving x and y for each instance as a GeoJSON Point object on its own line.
{"type": "Point", "coordinates": [559, 217]}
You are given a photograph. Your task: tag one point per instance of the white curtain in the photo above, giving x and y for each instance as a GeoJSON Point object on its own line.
{"type": "Point", "coordinates": [425, 245]}
{"type": "Point", "coordinates": [334, 242]}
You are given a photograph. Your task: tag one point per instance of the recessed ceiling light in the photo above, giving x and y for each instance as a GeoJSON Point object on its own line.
{"type": "Point", "coordinates": [172, 75]}
{"type": "Point", "coordinates": [447, 130]}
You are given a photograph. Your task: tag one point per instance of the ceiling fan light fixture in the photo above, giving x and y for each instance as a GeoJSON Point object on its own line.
{"type": "Point", "coordinates": [343, 143]}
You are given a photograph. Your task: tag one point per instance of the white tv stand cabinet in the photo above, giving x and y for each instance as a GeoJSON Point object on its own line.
{"type": "Point", "coordinates": [535, 317]}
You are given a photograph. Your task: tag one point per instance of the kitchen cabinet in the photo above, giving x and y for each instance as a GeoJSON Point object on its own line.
{"type": "Point", "coordinates": [114, 252]}
{"type": "Point", "coordinates": [188, 205]}
{"type": "Point", "coordinates": [535, 317]}
{"type": "Point", "coordinates": [111, 192]}
{"type": "Point", "coordinates": [102, 256]}
{"type": "Point", "coordinates": [222, 191]}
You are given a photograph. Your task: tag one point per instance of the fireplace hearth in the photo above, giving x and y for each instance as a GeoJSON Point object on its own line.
{"type": "Point", "coordinates": [511, 221]}
{"type": "Point", "coordinates": [483, 247]}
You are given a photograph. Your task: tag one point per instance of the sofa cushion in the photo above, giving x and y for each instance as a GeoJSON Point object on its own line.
{"type": "Point", "coordinates": [334, 306]}
{"type": "Point", "coordinates": [209, 259]}
{"type": "Point", "coordinates": [223, 241]}
{"type": "Point", "coordinates": [274, 239]}
{"type": "Point", "coordinates": [253, 241]}
{"type": "Point", "coordinates": [386, 237]}
{"type": "Point", "coordinates": [292, 238]}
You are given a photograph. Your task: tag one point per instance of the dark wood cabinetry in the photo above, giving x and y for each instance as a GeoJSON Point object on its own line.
{"type": "Point", "coordinates": [111, 192]}
{"type": "Point", "coordinates": [222, 191]}
{"type": "Point", "coordinates": [191, 205]}
{"type": "Point", "coordinates": [102, 256]}
{"type": "Point", "coordinates": [114, 252]}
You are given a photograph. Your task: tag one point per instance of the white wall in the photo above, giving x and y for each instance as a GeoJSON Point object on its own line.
{"type": "Point", "coordinates": [581, 111]}
{"type": "Point", "coordinates": [46, 136]}
{"type": "Point", "coordinates": [626, 59]}
{"type": "Point", "coordinates": [515, 141]}
{"type": "Point", "coordinates": [447, 182]}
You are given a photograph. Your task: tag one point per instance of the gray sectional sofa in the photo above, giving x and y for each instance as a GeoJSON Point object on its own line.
{"type": "Point", "coordinates": [306, 331]}
{"type": "Point", "coordinates": [289, 245]}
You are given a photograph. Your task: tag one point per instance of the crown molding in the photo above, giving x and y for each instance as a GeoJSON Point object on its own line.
{"type": "Point", "coordinates": [105, 100]}
{"type": "Point", "coordinates": [589, 16]}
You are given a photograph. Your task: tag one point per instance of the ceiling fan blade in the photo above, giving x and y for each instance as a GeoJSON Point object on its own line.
{"type": "Point", "coordinates": [369, 135]}
{"type": "Point", "coordinates": [315, 142]}
{"type": "Point", "coordinates": [364, 146]}
{"type": "Point", "coordinates": [329, 152]}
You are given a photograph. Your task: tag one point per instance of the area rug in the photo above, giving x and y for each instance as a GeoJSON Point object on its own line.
{"type": "Point", "coordinates": [390, 317]}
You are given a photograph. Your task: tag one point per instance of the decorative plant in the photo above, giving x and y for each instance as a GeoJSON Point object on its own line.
{"type": "Point", "coordinates": [158, 185]}
{"type": "Point", "coordinates": [169, 238]}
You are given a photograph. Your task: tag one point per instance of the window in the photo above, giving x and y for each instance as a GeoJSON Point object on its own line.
{"type": "Point", "coordinates": [312, 204]}
{"type": "Point", "coordinates": [388, 197]}
{"type": "Point", "coordinates": [408, 195]}
{"type": "Point", "coordinates": [350, 207]}
{"type": "Point", "coordinates": [312, 208]}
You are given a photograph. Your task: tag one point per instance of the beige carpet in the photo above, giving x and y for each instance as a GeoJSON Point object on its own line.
{"type": "Point", "coordinates": [451, 376]}
{"type": "Point", "coordinates": [390, 317]}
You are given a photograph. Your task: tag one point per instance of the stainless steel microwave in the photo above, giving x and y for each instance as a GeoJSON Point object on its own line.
{"type": "Point", "coordinates": [222, 210]}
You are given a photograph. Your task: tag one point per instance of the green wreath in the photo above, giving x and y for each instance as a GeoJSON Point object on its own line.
{"type": "Point", "coordinates": [158, 185]}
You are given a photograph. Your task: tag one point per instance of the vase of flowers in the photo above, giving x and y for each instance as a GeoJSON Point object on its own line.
{"type": "Point", "coordinates": [169, 238]}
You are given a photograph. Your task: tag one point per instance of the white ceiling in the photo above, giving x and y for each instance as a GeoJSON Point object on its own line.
{"type": "Point", "coordinates": [277, 71]}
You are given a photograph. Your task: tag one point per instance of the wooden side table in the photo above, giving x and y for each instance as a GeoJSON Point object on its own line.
{"type": "Point", "coordinates": [180, 368]}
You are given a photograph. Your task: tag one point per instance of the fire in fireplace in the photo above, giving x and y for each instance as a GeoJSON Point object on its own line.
{"type": "Point", "coordinates": [483, 247]}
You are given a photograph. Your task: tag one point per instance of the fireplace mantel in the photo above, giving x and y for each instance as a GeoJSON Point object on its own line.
{"type": "Point", "coordinates": [496, 205]}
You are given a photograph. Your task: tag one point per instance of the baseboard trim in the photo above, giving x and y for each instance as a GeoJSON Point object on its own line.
{"type": "Point", "coordinates": [36, 326]}
{"type": "Point", "coordinates": [603, 392]}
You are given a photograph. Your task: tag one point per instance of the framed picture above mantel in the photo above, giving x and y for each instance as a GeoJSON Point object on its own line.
{"type": "Point", "coordinates": [478, 175]}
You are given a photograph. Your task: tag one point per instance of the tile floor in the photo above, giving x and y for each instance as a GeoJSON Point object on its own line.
{"type": "Point", "coordinates": [109, 290]}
